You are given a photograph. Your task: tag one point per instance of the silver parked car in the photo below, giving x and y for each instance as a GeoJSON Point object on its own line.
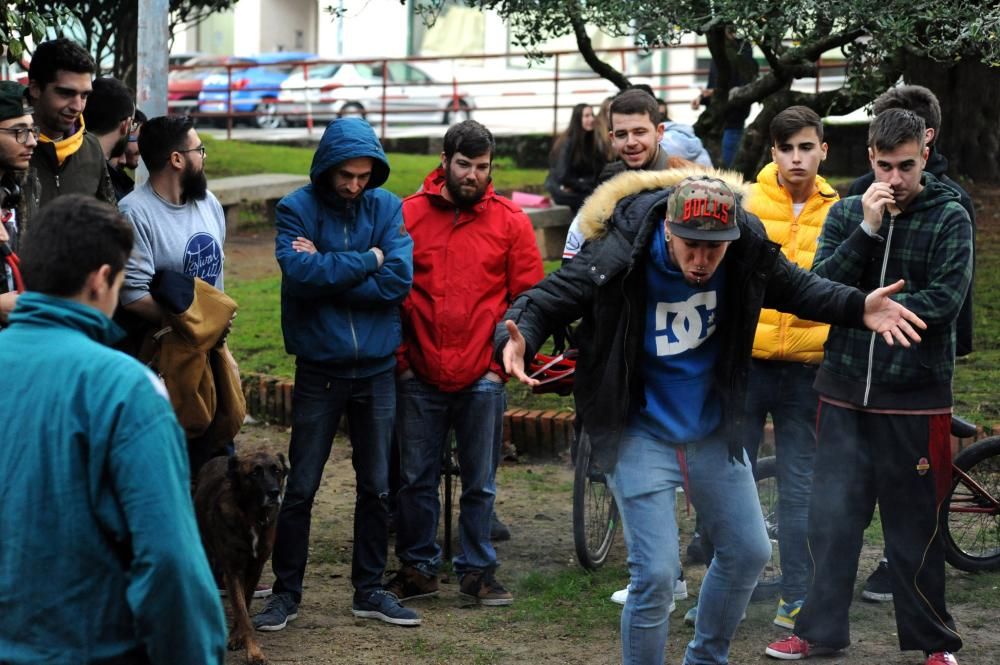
{"type": "Point", "coordinates": [333, 90]}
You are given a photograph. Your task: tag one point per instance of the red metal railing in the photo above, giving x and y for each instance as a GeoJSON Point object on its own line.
{"type": "Point", "coordinates": [479, 92]}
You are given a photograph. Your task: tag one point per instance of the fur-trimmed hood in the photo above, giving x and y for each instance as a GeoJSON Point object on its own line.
{"type": "Point", "coordinates": [598, 209]}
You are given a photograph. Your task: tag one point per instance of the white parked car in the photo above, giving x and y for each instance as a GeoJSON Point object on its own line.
{"type": "Point", "coordinates": [333, 90]}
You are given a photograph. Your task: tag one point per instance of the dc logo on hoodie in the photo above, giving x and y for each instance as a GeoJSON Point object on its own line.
{"type": "Point", "coordinates": [687, 324]}
{"type": "Point", "coordinates": [203, 257]}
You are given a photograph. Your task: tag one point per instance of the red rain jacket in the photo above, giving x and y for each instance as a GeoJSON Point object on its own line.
{"type": "Point", "coordinates": [468, 266]}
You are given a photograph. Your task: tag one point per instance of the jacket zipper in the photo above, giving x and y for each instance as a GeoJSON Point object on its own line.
{"type": "Point", "coordinates": [350, 314]}
{"type": "Point", "coordinates": [881, 283]}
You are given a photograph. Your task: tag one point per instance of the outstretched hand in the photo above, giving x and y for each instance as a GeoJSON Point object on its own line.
{"type": "Point", "coordinates": [890, 319]}
{"type": "Point", "coordinates": [513, 355]}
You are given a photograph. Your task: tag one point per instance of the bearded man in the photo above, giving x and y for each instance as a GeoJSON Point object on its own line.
{"type": "Point", "coordinates": [473, 253]}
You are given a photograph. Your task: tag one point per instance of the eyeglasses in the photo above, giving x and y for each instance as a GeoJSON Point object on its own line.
{"type": "Point", "coordinates": [134, 126]}
{"type": "Point", "coordinates": [200, 148]}
{"type": "Point", "coordinates": [21, 133]}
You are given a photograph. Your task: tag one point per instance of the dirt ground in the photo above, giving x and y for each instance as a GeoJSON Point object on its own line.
{"type": "Point", "coordinates": [534, 499]}
{"type": "Point", "coordinates": [327, 633]}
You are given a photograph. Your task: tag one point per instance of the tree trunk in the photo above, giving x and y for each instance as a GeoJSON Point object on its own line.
{"type": "Point", "coordinates": [969, 93]}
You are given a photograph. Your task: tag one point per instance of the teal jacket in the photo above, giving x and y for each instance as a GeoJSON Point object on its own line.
{"type": "Point", "coordinates": [338, 306]}
{"type": "Point", "coordinates": [99, 548]}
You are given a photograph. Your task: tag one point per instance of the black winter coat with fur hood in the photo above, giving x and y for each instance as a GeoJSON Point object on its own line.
{"type": "Point", "coordinates": [605, 287]}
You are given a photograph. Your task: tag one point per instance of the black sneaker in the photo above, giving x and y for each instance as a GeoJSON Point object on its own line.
{"type": "Point", "coordinates": [409, 584]}
{"type": "Point", "coordinates": [878, 586]}
{"type": "Point", "coordinates": [279, 610]}
{"type": "Point", "coordinates": [384, 606]}
{"type": "Point", "coordinates": [498, 530]}
{"type": "Point", "coordinates": [482, 587]}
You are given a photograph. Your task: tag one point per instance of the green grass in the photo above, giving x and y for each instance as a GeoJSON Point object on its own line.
{"type": "Point", "coordinates": [232, 158]}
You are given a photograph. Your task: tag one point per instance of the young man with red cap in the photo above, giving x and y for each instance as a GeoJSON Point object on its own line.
{"type": "Point", "coordinates": [670, 284]}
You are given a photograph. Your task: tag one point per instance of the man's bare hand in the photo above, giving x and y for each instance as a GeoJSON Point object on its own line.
{"type": "Point", "coordinates": [3, 234]}
{"type": "Point", "coordinates": [874, 202]}
{"type": "Point", "coordinates": [890, 319]}
{"type": "Point", "coordinates": [306, 245]}
{"type": "Point", "coordinates": [378, 255]}
{"type": "Point", "coordinates": [513, 355]}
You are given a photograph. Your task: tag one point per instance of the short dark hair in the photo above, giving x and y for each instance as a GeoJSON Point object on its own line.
{"type": "Point", "coordinates": [109, 103]}
{"type": "Point", "coordinates": [793, 120]}
{"type": "Point", "coordinates": [894, 127]}
{"type": "Point", "coordinates": [634, 101]}
{"type": "Point", "coordinates": [161, 136]}
{"type": "Point", "coordinates": [139, 116]}
{"type": "Point", "coordinates": [58, 54]}
{"type": "Point", "coordinates": [469, 138]}
{"type": "Point", "coordinates": [914, 98]}
{"type": "Point", "coordinates": [69, 238]}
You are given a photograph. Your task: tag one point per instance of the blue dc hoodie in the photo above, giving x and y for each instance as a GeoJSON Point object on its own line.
{"type": "Point", "coordinates": [338, 307]}
{"type": "Point", "coordinates": [681, 348]}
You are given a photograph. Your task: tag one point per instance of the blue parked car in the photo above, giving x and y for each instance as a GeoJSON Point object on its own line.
{"type": "Point", "coordinates": [254, 90]}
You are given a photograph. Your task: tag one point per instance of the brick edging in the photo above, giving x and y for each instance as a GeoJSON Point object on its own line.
{"type": "Point", "coordinates": [538, 433]}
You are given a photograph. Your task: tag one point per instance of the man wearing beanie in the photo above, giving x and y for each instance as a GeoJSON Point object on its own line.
{"type": "Point", "coordinates": [18, 138]}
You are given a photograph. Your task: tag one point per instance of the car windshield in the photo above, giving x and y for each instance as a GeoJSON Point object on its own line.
{"type": "Point", "coordinates": [320, 70]}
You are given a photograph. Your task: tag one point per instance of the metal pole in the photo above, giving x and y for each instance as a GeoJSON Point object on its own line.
{"type": "Point", "coordinates": [385, 77]}
{"type": "Point", "coordinates": [151, 68]}
{"type": "Point", "coordinates": [555, 100]}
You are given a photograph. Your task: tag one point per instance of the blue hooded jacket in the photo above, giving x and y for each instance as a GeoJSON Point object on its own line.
{"type": "Point", "coordinates": [338, 306]}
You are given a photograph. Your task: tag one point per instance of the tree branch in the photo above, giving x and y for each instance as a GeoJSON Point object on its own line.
{"type": "Point", "coordinates": [586, 47]}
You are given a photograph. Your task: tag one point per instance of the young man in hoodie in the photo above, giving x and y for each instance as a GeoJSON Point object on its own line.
{"type": "Point", "coordinates": [110, 567]}
{"type": "Point", "coordinates": [923, 102]}
{"type": "Point", "coordinates": [473, 253]}
{"type": "Point", "coordinates": [346, 265]}
{"type": "Point", "coordinates": [18, 138]}
{"type": "Point", "coordinates": [67, 160]}
{"type": "Point", "coordinates": [791, 200]}
{"type": "Point", "coordinates": [669, 286]}
{"type": "Point", "coordinates": [884, 421]}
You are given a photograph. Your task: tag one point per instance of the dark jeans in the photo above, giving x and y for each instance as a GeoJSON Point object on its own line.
{"type": "Point", "coordinates": [425, 417]}
{"type": "Point", "coordinates": [319, 401]}
{"type": "Point", "coordinates": [731, 137]}
{"type": "Point", "coordinates": [784, 389]}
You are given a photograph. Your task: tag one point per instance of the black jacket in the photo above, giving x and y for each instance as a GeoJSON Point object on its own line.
{"type": "Point", "coordinates": [937, 165]}
{"type": "Point", "coordinates": [605, 285]}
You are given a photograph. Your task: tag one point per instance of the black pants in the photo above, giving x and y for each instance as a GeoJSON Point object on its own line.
{"type": "Point", "coordinates": [904, 463]}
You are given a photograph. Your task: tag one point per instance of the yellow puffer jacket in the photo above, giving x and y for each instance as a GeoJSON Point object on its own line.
{"type": "Point", "coordinates": [784, 336]}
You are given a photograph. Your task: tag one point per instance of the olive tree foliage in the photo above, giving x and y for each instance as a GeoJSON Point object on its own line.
{"type": "Point", "coordinates": [23, 24]}
{"type": "Point", "coordinates": [106, 28]}
{"type": "Point", "coordinates": [877, 40]}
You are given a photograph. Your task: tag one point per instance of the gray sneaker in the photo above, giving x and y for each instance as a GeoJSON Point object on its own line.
{"type": "Point", "coordinates": [279, 610]}
{"type": "Point", "coordinates": [384, 606]}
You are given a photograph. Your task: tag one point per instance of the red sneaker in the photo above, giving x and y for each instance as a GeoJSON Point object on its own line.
{"type": "Point", "coordinates": [941, 658]}
{"type": "Point", "coordinates": [790, 648]}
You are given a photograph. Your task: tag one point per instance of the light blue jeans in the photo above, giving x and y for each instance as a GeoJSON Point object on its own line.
{"type": "Point", "coordinates": [644, 482]}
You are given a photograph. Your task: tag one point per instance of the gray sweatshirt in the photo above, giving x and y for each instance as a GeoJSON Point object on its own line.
{"type": "Point", "coordinates": [185, 238]}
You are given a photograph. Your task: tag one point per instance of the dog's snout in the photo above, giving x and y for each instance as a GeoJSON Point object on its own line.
{"type": "Point", "coordinates": [273, 493]}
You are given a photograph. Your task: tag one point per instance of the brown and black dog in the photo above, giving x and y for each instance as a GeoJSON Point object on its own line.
{"type": "Point", "coordinates": [237, 500]}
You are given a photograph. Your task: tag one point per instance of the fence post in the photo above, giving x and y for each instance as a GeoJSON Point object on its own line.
{"type": "Point", "coordinates": [385, 77]}
{"type": "Point", "coordinates": [229, 102]}
{"type": "Point", "coordinates": [305, 84]}
{"type": "Point", "coordinates": [555, 100]}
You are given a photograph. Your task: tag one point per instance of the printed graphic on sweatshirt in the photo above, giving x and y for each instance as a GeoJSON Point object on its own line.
{"type": "Point", "coordinates": [682, 326]}
{"type": "Point", "coordinates": [203, 258]}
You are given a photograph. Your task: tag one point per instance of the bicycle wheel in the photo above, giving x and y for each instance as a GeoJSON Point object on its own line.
{"type": "Point", "coordinates": [769, 582]}
{"type": "Point", "coordinates": [970, 515]}
{"type": "Point", "coordinates": [595, 516]}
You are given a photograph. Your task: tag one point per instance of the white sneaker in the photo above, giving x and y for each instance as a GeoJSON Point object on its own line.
{"type": "Point", "coordinates": [621, 596]}
{"type": "Point", "coordinates": [680, 590]}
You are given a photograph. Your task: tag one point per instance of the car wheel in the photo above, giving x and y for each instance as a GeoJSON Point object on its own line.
{"type": "Point", "coordinates": [451, 115]}
{"type": "Point", "coordinates": [352, 108]}
{"type": "Point", "coordinates": [267, 115]}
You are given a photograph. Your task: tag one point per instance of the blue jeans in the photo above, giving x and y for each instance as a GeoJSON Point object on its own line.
{"type": "Point", "coordinates": [425, 415]}
{"type": "Point", "coordinates": [319, 401]}
{"type": "Point", "coordinates": [644, 482]}
{"type": "Point", "coordinates": [784, 389]}
{"type": "Point", "coordinates": [730, 144]}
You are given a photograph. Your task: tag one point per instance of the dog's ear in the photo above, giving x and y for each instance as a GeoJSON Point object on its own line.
{"type": "Point", "coordinates": [233, 471]}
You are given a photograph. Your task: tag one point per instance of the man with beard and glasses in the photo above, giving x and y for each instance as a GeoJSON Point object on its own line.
{"type": "Point", "coordinates": [473, 253]}
{"type": "Point", "coordinates": [68, 159]}
{"type": "Point", "coordinates": [109, 116]}
{"type": "Point", "coordinates": [18, 138]}
{"type": "Point", "coordinates": [179, 227]}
